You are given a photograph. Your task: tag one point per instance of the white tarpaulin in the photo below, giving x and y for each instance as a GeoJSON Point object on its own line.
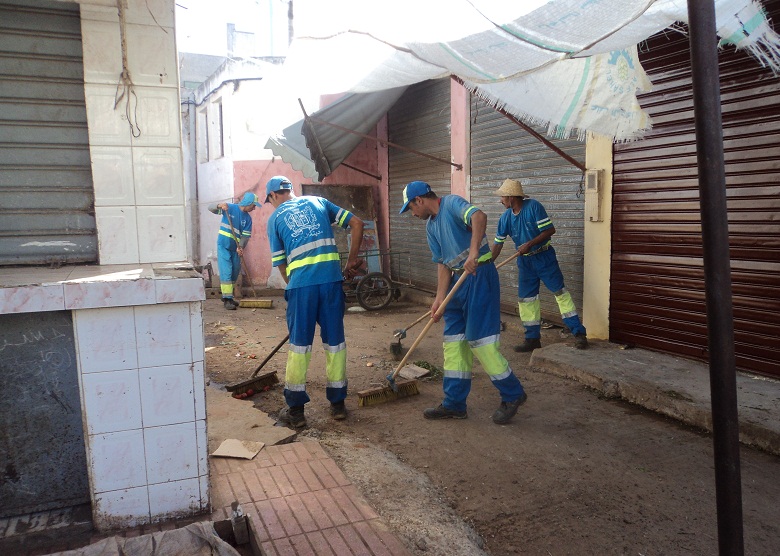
{"type": "Point", "coordinates": [196, 539]}
{"type": "Point", "coordinates": [567, 63]}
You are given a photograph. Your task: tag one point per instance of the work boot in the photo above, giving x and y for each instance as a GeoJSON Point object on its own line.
{"type": "Point", "coordinates": [581, 341]}
{"type": "Point", "coordinates": [529, 344]}
{"type": "Point", "coordinates": [507, 410]}
{"type": "Point", "coordinates": [234, 301]}
{"type": "Point", "coordinates": [338, 411]}
{"type": "Point", "coordinates": [442, 412]}
{"type": "Point", "coordinates": [293, 416]}
{"type": "Point", "coordinates": [228, 303]}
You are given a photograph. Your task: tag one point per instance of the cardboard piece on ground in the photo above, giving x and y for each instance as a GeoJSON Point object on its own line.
{"type": "Point", "coordinates": [234, 448]}
{"type": "Point", "coordinates": [413, 372]}
{"type": "Point", "coordinates": [231, 419]}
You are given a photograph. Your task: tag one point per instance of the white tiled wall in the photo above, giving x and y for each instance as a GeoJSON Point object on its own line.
{"type": "Point", "coordinates": [161, 234]}
{"type": "Point", "coordinates": [139, 338]}
{"type": "Point", "coordinates": [143, 395]}
{"type": "Point", "coordinates": [138, 170]}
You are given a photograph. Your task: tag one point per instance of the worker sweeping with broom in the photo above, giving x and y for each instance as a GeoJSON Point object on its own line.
{"type": "Point", "coordinates": [234, 233]}
{"type": "Point", "coordinates": [472, 320]}
{"type": "Point", "coordinates": [304, 250]}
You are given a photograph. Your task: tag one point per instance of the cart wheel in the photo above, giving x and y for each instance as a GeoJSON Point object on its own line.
{"type": "Point", "coordinates": [374, 291]}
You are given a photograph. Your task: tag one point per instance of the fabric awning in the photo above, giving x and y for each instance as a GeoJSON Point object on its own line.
{"type": "Point", "coordinates": [316, 148]}
{"type": "Point", "coordinates": [569, 64]}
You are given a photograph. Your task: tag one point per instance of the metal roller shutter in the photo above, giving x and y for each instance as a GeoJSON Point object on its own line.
{"type": "Point", "coordinates": [420, 120]}
{"type": "Point", "coordinates": [46, 190]}
{"type": "Point", "coordinates": [657, 287]}
{"type": "Point", "coordinates": [501, 149]}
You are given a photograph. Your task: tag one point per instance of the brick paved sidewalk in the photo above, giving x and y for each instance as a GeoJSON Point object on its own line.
{"type": "Point", "coordinates": [300, 503]}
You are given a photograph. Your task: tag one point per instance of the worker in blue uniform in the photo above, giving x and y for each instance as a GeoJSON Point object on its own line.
{"type": "Point", "coordinates": [231, 242]}
{"type": "Point", "coordinates": [472, 320]}
{"type": "Point", "coordinates": [304, 250]}
{"type": "Point", "coordinates": [526, 222]}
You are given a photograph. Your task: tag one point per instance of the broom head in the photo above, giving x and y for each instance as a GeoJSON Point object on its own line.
{"type": "Point", "coordinates": [256, 303]}
{"type": "Point", "coordinates": [257, 384]}
{"type": "Point", "coordinates": [383, 394]}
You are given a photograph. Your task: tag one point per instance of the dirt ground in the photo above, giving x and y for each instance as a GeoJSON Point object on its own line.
{"type": "Point", "coordinates": [571, 474]}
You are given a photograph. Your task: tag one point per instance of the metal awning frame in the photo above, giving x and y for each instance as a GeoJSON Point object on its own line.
{"type": "Point", "coordinates": [383, 142]}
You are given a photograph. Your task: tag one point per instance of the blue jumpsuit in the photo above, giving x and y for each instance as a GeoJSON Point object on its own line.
{"type": "Point", "coordinates": [541, 264]}
{"type": "Point", "coordinates": [228, 261]}
{"type": "Point", "coordinates": [472, 319]}
{"type": "Point", "coordinates": [300, 234]}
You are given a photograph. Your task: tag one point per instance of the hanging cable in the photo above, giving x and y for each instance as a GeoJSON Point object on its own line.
{"type": "Point", "coordinates": [125, 89]}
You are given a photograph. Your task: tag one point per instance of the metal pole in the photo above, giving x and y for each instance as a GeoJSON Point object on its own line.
{"type": "Point", "coordinates": [717, 274]}
{"type": "Point", "coordinates": [383, 142]}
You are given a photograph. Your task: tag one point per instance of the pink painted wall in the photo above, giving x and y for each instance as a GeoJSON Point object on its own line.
{"type": "Point", "coordinates": [252, 175]}
{"type": "Point", "coordinates": [370, 157]}
{"type": "Point", "coordinates": [460, 110]}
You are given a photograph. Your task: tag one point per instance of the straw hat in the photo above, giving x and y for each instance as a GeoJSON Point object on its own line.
{"type": "Point", "coordinates": [510, 188]}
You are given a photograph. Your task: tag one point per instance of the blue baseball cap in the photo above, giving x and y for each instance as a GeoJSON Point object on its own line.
{"type": "Point", "coordinates": [276, 183]}
{"type": "Point", "coordinates": [412, 190]}
{"type": "Point", "coordinates": [248, 199]}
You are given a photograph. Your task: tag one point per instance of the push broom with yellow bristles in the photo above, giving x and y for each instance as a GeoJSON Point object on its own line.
{"type": "Point", "coordinates": [405, 388]}
{"type": "Point", "coordinates": [254, 302]}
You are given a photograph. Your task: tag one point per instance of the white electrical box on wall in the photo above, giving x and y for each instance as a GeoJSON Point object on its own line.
{"type": "Point", "coordinates": [594, 180]}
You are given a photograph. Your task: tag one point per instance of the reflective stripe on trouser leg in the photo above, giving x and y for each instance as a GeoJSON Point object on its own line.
{"type": "Point", "coordinates": [301, 303]}
{"type": "Point", "coordinates": [330, 316]}
{"type": "Point", "coordinates": [458, 361]}
{"type": "Point", "coordinates": [229, 266]}
{"type": "Point", "coordinates": [336, 373]}
{"type": "Point", "coordinates": [298, 358]}
{"type": "Point", "coordinates": [530, 313]}
{"type": "Point", "coordinates": [497, 368]}
{"type": "Point", "coordinates": [471, 319]}
{"type": "Point", "coordinates": [528, 294]}
{"type": "Point", "coordinates": [569, 312]}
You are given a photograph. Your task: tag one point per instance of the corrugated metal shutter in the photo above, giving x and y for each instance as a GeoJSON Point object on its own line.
{"type": "Point", "coordinates": [501, 149]}
{"type": "Point", "coordinates": [420, 120]}
{"type": "Point", "coordinates": [46, 190]}
{"type": "Point", "coordinates": [657, 287]}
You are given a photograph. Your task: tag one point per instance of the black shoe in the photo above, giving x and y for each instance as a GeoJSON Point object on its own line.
{"type": "Point", "coordinates": [442, 412]}
{"type": "Point", "coordinates": [581, 341]}
{"type": "Point", "coordinates": [293, 416]}
{"type": "Point", "coordinates": [507, 410]}
{"type": "Point", "coordinates": [530, 344]}
{"type": "Point", "coordinates": [228, 303]}
{"type": "Point", "coordinates": [338, 411]}
{"type": "Point", "coordinates": [234, 302]}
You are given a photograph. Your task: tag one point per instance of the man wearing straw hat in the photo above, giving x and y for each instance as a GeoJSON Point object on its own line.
{"type": "Point", "coordinates": [527, 223]}
{"type": "Point", "coordinates": [472, 319]}
{"type": "Point", "coordinates": [234, 233]}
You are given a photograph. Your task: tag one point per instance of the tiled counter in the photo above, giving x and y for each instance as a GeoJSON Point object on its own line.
{"type": "Point", "coordinates": [138, 332]}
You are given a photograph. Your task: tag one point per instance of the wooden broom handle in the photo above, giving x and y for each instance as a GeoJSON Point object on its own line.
{"type": "Point", "coordinates": [424, 331]}
{"type": "Point", "coordinates": [268, 357]}
{"type": "Point", "coordinates": [417, 321]}
{"type": "Point", "coordinates": [439, 312]}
